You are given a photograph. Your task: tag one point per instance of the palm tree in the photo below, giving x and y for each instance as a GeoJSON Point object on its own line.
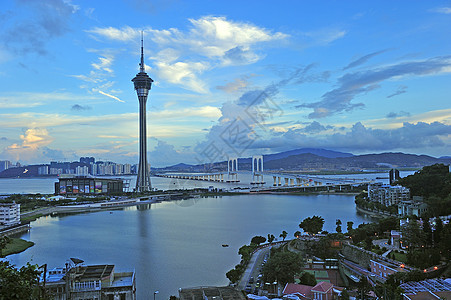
{"type": "Point", "coordinates": [283, 235]}
{"type": "Point", "coordinates": [271, 238]}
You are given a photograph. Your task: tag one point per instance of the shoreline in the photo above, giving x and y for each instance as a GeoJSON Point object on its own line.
{"type": "Point", "coordinates": [84, 208]}
{"type": "Point", "coordinates": [373, 213]}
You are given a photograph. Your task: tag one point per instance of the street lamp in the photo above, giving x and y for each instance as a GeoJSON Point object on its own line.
{"type": "Point", "coordinates": [154, 294]}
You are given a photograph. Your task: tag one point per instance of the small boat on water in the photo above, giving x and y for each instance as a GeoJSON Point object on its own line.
{"type": "Point", "coordinates": [225, 245]}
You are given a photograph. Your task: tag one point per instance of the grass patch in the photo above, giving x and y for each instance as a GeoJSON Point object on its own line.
{"type": "Point", "coordinates": [30, 218]}
{"type": "Point", "coordinates": [402, 257]}
{"type": "Point", "coordinates": [16, 245]}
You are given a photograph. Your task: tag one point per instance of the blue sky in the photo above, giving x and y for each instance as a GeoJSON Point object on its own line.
{"type": "Point", "coordinates": [231, 78]}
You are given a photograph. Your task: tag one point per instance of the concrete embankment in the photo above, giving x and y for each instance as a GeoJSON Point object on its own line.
{"type": "Point", "coordinates": [374, 214]}
{"type": "Point", "coordinates": [85, 207]}
{"type": "Point", "coordinates": [14, 230]}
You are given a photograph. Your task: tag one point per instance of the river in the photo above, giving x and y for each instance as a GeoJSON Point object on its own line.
{"type": "Point", "coordinates": [178, 243]}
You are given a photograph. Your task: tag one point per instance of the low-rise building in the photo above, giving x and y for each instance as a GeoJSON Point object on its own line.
{"type": "Point", "coordinates": [97, 282]}
{"type": "Point", "coordinates": [385, 268]}
{"type": "Point", "coordinates": [9, 214]}
{"type": "Point", "coordinates": [73, 185]}
{"type": "Point", "coordinates": [416, 207]}
{"type": "Point", "coordinates": [323, 290]}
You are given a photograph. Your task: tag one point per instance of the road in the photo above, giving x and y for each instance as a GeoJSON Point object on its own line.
{"type": "Point", "coordinates": [254, 268]}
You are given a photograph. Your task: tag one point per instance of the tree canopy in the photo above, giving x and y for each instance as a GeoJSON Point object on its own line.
{"type": "Point", "coordinates": [312, 225]}
{"type": "Point", "coordinates": [282, 266]}
{"type": "Point", "coordinates": [434, 184]}
{"type": "Point", "coordinates": [258, 239]}
{"type": "Point", "coordinates": [20, 284]}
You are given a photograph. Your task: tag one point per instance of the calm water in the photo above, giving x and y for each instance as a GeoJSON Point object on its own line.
{"type": "Point", "coordinates": [177, 244]}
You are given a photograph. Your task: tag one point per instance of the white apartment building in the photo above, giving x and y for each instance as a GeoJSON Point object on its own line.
{"type": "Point", "coordinates": [9, 214]}
{"type": "Point", "coordinates": [388, 195]}
{"type": "Point", "coordinates": [82, 171]}
{"type": "Point", "coordinates": [127, 169]}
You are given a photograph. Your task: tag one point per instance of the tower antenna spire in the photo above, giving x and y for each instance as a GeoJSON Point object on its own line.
{"type": "Point", "coordinates": [141, 65]}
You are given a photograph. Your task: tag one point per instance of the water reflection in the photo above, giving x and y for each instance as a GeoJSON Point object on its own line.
{"type": "Point", "coordinates": [178, 243]}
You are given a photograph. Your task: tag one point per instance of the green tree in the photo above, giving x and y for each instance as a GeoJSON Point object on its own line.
{"type": "Point", "coordinates": [363, 288]}
{"type": "Point", "coordinates": [257, 240]}
{"type": "Point", "coordinates": [338, 223]}
{"type": "Point", "coordinates": [344, 295]}
{"type": "Point", "coordinates": [20, 284]}
{"type": "Point", "coordinates": [312, 225]}
{"type": "Point", "coordinates": [245, 251]}
{"type": "Point", "coordinates": [445, 241]}
{"type": "Point", "coordinates": [234, 275]}
{"type": "Point", "coordinates": [427, 232]}
{"type": "Point", "coordinates": [4, 240]}
{"type": "Point", "coordinates": [387, 224]}
{"type": "Point", "coordinates": [390, 289]}
{"type": "Point", "coordinates": [283, 235]}
{"type": "Point", "coordinates": [349, 226]}
{"type": "Point", "coordinates": [412, 235]}
{"type": "Point", "coordinates": [307, 279]}
{"type": "Point", "coordinates": [271, 238]}
{"type": "Point", "coordinates": [438, 230]}
{"type": "Point", "coordinates": [282, 266]}
{"type": "Point", "coordinates": [297, 234]}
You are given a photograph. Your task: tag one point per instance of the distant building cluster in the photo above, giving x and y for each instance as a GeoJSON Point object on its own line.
{"type": "Point", "coordinates": [6, 164]}
{"type": "Point", "coordinates": [86, 166]}
{"type": "Point", "coordinates": [389, 195]}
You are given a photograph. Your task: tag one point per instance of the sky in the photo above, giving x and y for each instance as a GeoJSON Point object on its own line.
{"type": "Point", "coordinates": [231, 78]}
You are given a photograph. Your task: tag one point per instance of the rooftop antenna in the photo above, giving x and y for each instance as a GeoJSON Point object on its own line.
{"type": "Point", "coordinates": [141, 65]}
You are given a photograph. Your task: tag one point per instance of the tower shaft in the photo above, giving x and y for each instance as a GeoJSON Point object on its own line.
{"type": "Point", "coordinates": [143, 84]}
{"type": "Point", "coordinates": [143, 180]}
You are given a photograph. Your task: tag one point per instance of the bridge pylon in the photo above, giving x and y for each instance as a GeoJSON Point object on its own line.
{"type": "Point", "coordinates": [257, 169]}
{"type": "Point", "coordinates": [232, 169]}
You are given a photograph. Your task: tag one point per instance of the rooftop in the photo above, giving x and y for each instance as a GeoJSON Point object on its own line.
{"type": "Point", "coordinates": [94, 272]}
{"type": "Point", "coordinates": [294, 288]}
{"type": "Point", "coordinates": [323, 287]}
{"type": "Point", "coordinates": [429, 285]}
{"type": "Point", "coordinates": [211, 293]}
{"type": "Point", "coordinates": [123, 279]}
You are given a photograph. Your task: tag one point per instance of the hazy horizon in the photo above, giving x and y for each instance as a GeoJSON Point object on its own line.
{"type": "Point", "coordinates": [230, 79]}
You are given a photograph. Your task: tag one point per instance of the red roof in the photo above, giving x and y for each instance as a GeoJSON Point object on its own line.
{"type": "Point", "coordinates": [322, 287]}
{"type": "Point", "coordinates": [294, 288]}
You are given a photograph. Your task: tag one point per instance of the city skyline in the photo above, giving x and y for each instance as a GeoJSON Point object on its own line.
{"type": "Point", "coordinates": [231, 79]}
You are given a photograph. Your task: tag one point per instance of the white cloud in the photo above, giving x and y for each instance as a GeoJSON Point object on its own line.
{"type": "Point", "coordinates": [325, 36]}
{"type": "Point", "coordinates": [98, 79]}
{"type": "Point", "coordinates": [204, 111]}
{"type": "Point", "coordinates": [442, 10]}
{"type": "Point", "coordinates": [182, 56]}
{"type": "Point", "coordinates": [184, 74]}
{"type": "Point", "coordinates": [125, 34]}
{"type": "Point", "coordinates": [33, 140]}
{"type": "Point", "coordinates": [237, 85]}
{"type": "Point", "coordinates": [111, 96]}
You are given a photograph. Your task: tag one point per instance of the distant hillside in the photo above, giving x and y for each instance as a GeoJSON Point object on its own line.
{"type": "Point", "coordinates": [367, 161]}
{"type": "Point", "coordinates": [26, 171]}
{"type": "Point", "coordinates": [315, 151]}
{"type": "Point", "coordinates": [318, 159]}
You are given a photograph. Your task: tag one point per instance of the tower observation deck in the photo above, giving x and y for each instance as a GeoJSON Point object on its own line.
{"type": "Point", "coordinates": [143, 84]}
